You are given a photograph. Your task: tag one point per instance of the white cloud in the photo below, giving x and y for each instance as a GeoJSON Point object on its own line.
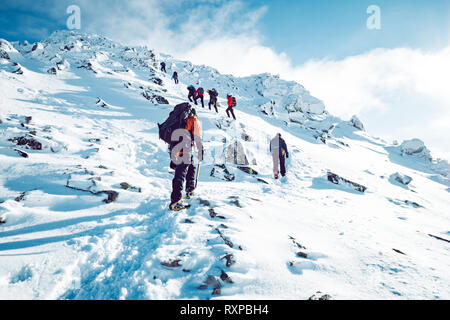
{"type": "Point", "coordinates": [398, 93]}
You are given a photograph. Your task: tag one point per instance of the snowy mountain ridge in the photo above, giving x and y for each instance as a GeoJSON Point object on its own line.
{"type": "Point", "coordinates": [85, 184]}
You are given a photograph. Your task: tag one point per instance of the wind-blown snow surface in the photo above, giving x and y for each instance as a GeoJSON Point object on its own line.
{"type": "Point", "coordinates": [84, 188]}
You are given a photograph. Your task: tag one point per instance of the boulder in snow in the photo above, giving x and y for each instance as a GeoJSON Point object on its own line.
{"type": "Point", "coordinates": [334, 178]}
{"type": "Point", "coordinates": [235, 153]}
{"type": "Point", "coordinates": [221, 172]}
{"type": "Point", "coordinates": [415, 147]}
{"type": "Point", "coordinates": [355, 122]}
{"type": "Point", "coordinates": [401, 178]}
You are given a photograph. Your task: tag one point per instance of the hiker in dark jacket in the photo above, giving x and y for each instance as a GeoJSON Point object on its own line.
{"type": "Point", "coordinates": [199, 95]}
{"type": "Point", "coordinates": [231, 104]}
{"type": "Point", "coordinates": [213, 99]}
{"type": "Point", "coordinates": [191, 94]}
{"type": "Point", "coordinates": [175, 77]}
{"type": "Point", "coordinates": [163, 66]}
{"type": "Point", "coordinates": [279, 151]}
{"type": "Point", "coordinates": [185, 171]}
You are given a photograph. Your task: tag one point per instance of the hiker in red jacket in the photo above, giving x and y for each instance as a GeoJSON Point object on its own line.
{"type": "Point", "coordinates": [199, 95]}
{"type": "Point", "coordinates": [231, 104]}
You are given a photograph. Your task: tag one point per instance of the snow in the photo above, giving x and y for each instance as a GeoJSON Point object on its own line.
{"type": "Point", "coordinates": [286, 239]}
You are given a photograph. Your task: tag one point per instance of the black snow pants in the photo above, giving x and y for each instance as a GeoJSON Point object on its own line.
{"type": "Point", "coordinates": [182, 172]}
{"type": "Point", "coordinates": [201, 99]}
{"type": "Point", "coordinates": [230, 110]}
{"type": "Point", "coordinates": [279, 160]}
{"type": "Point", "coordinates": [213, 102]}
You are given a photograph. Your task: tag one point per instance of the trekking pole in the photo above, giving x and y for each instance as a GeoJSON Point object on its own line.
{"type": "Point", "coordinates": [198, 172]}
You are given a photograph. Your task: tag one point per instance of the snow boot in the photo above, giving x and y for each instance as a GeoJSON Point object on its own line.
{"type": "Point", "coordinates": [275, 176]}
{"type": "Point", "coordinates": [178, 206]}
{"type": "Point", "coordinates": [189, 195]}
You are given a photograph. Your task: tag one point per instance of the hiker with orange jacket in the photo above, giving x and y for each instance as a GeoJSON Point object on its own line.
{"type": "Point", "coordinates": [185, 170]}
{"type": "Point", "coordinates": [231, 101]}
{"type": "Point", "coordinates": [199, 95]}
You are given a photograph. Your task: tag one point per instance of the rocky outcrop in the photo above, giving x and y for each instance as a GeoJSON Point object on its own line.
{"type": "Point", "coordinates": [221, 172]}
{"type": "Point", "coordinates": [356, 123]}
{"type": "Point", "coordinates": [27, 143]}
{"type": "Point", "coordinates": [415, 147]}
{"type": "Point", "coordinates": [401, 178]}
{"type": "Point", "coordinates": [235, 154]}
{"type": "Point", "coordinates": [334, 178]}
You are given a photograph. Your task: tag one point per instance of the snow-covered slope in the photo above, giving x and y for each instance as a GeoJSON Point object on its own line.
{"type": "Point", "coordinates": [85, 183]}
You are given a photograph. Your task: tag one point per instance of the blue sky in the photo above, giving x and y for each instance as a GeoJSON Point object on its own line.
{"type": "Point", "coordinates": [395, 79]}
{"type": "Point", "coordinates": [303, 29]}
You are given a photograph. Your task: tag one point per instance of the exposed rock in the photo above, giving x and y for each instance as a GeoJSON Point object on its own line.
{"type": "Point", "coordinates": [112, 195]}
{"type": "Point", "coordinates": [246, 137]}
{"type": "Point", "coordinates": [157, 81]}
{"type": "Point", "coordinates": [413, 204]}
{"type": "Point", "coordinates": [154, 98]}
{"type": "Point", "coordinates": [20, 197]}
{"type": "Point", "coordinates": [18, 71]}
{"type": "Point", "coordinates": [4, 55]}
{"type": "Point", "coordinates": [401, 178]}
{"type": "Point", "coordinates": [220, 171]}
{"type": "Point", "coordinates": [127, 186]}
{"type": "Point", "coordinates": [213, 214]}
{"type": "Point", "coordinates": [248, 170]}
{"type": "Point", "coordinates": [415, 147]}
{"type": "Point", "coordinates": [28, 143]}
{"type": "Point", "coordinates": [227, 241]}
{"type": "Point", "coordinates": [439, 238]}
{"type": "Point", "coordinates": [235, 201]}
{"type": "Point", "coordinates": [234, 153]}
{"type": "Point", "coordinates": [334, 178]}
{"type": "Point", "coordinates": [172, 264]}
{"type": "Point", "coordinates": [2, 221]}
{"type": "Point", "coordinates": [21, 153]}
{"type": "Point", "coordinates": [355, 122]}
{"type": "Point", "coordinates": [229, 259]}
{"type": "Point", "coordinates": [322, 137]}
{"type": "Point", "coordinates": [302, 255]}
{"type": "Point", "coordinates": [320, 296]}
{"type": "Point", "coordinates": [161, 100]}
{"type": "Point", "coordinates": [211, 282]}
{"type": "Point", "coordinates": [225, 277]}
{"type": "Point", "coordinates": [52, 70]}
{"type": "Point", "coordinates": [102, 104]}
{"type": "Point", "coordinates": [87, 66]}
{"type": "Point", "coordinates": [398, 251]}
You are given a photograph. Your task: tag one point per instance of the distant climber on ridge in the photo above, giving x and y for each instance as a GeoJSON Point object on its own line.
{"type": "Point", "coordinates": [191, 94]}
{"type": "Point", "coordinates": [163, 66]}
{"type": "Point", "coordinates": [279, 151]}
{"type": "Point", "coordinates": [175, 77]}
{"type": "Point", "coordinates": [199, 95]}
{"type": "Point", "coordinates": [231, 104]}
{"type": "Point", "coordinates": [213, 98]}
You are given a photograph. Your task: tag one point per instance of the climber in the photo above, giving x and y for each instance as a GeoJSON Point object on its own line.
{"type": "Point", "coordinates": [163, 66]}
{"type": "Point", "coordinates": [199, 95]}
{"type": "Point", "coordinates": [191, 94]}
{"type": "Point", "coordinates": [279, 151]}
{"type": "Point", "coordinates": [231, 104]}
{"type": "Point", "coordinates": [175, 77]}
{"type": "Point", "coordinates": [182, 153]}
{"type": "Point", "coordinates": [213, 99]}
